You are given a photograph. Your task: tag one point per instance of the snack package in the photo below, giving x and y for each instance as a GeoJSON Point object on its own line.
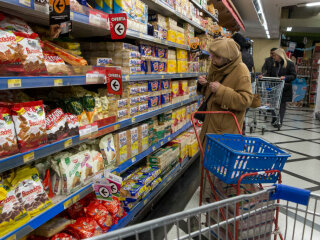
{"type": "Point", "coordinates": [97, 161]}
{"type": "Point", "coordinates": [114, 209]}
{"type": "Point", "coordinates": [29, 120]}
{"type": "Point", "coordinates": [64, 236]}
{"type": "Point", "coordinates": [107, 149]}
{"type": "Point", "coordinates": [73, 124]}
{"type": "Point", "coordinates": [134, 141]}
{"type": "Point", "coordinates": [29, 191]}
{"type": "Point", "coordinates": [143, 137]}
{"type": "Point", "coordinates": [86, 172]}
{"type": "Point", "coordinates": [70, 168]}
{"type": "Point", "coordinates": [100, 214]}
{"type": "Point", "coordinates": [89, 105]}
{"type": "Point", "coordinates": [121, 140]}
{"type": "Point", "coordinates": [56, 124]}
{"type": "Point", "coordinates": [55, 65]}
{"type": "Point", "coordinates": [12, 213]}
{"type": "Point", "coordinates": [8, 141]}
{"type": "Point", "coordinates": [132, 190]}
{"type": "Point", "coordinates": [13, 23]}
{"type": "Point", "coordinates": [75, 107]}
{"type": "Point", "coordinates": [86, 227]}
{"type": "Point", "coordinates": [52, 227]}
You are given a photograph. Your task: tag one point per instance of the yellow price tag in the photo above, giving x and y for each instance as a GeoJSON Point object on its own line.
{"type": "Point", "coordinates": [117, 126]}
{"type": "Point", "coordinates": [127, 77]}
{"type": "Point", "coordinates": [133, 120]}
{"type": "Point", "coordinates": [71, 16]}
{"type": "Point", "coordinates": [153, 148]}
{"type": "Point", "coordinates": [76, 198]}
{"type": "Point", "coordinates": [162, 76]}
{"type": "Point", "coordinates": [145, 201]}
{"type": "Point", "coordinates": [181, 75]}
{"type": "Point", "coordinates": [14, 83]}
{"type": "Point", "coordinates": [169, 138]}
{"type": "Point", "coordinates": [58, 82]}
{"type": "Point", "coordinates": [68, 143]}
{"type": "Point", "coordinates": [28, 157]}
{"type": "Point", "coordinates": [67, 204]}
{"type": "Point", "coordinates": [12, 237]}
{"type": "Point", "coordinates": [133, 160]}
{"type": "Point", "coordinates": [161, 142]}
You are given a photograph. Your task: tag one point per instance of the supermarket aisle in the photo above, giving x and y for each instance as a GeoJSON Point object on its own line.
{"type": "Point", "coordinates": [300, 135]}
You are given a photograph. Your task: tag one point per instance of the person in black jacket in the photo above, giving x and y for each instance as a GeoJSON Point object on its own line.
{"type": "Point", "coordinates": [268, 62]}
{"type": "Point", "coordinates": [244, 44]}
{"type": "Point", "coordinates": [283, 68]}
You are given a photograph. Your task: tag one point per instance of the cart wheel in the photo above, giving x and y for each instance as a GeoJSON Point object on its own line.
{"type": "Point", "coordinates": [251, 130]}
{"type": "Point", "coordinates": [263, 130]}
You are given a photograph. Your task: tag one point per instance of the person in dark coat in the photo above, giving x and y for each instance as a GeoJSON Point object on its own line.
{"type": "Point", "coordinates": [244, 44]}
{"type": "Point", "coordinates": [283, 68]}
{"type": "Point", "coordinates": [268, 63]}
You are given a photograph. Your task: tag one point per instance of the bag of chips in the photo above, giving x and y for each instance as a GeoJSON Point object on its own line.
{"type": "Point", "coordinates": [86, 227]}
{"type": "Point", "coordinates": [99, 213]}
{"type": "Point", "coordinates": [56, 124]}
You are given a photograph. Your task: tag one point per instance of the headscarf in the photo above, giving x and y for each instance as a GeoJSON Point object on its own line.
{"type": "Point", "coordinates": [226, 48]}
{"type": "Point", "coordinates": [281, 53]}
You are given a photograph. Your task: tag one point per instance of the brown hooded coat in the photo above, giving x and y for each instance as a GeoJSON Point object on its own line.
{"type": "Point", "coordinates": [234, 94]}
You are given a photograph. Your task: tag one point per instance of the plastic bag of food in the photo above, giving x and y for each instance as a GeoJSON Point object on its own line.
{"type": "Point", "coordinates": [29, 121]}
{"type": "Point", "coordinates": [86, 165]}
{"type": "Point", "coordinates": [89, 106]}
{"type": "Point", "coordinates": [114, 209]}
{"type": "Point", "coordinates": [56, 125]}
{"type": "Point", "coordinates": [73, 124]}
{"type": "Point", "coordinates": [8, 140]}
{"type": "Point", "coordinates": [107, 149]}
{"type": "Point", "coordinates": [86, 227]}
{"type": "Point", "coordinates": [13, 23]}
{"type": "Point", "coordinates": [63, 236]}
{"type": "Point", "coordinates": [12, 213]}
{"type": "Point", "coordinates": [52, 227]}
{"type": "Point", "coordinates": [99, 213]}
{"type": "Point", "coordinates": [55, 65]}
{"type": "Point", "coordinates": [75, 107]}
{"type": "Point", "coordinates": [29, 191]}
{"type": "Point", "coordinates": [97, 162]}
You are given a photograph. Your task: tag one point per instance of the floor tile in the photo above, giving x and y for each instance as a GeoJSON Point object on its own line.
{"type": "Point", "coordinates": [300, 124]}
{"type": "Point", "coordinates": [273, 137]}
{"type": "Point", "coordinates": [295, 156]}
{"type": "Point", "coordinates": [305, 147]}
{"type": "Point", "coordinates": [302, 134]}
{"type": "Point", "coordinates": [318, 141]}
{"type": "Point", "coordinates": [308, 168]}
{"type": "Point", "coordinates": [295, 182]}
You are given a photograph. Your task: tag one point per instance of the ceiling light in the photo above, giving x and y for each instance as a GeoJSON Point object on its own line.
{"type": "Point", "coordinates": [289, 29]}
{"type": "Point", "coordinates": [313, 4]}
{"type": "Point", "coordinates": [258, 7]}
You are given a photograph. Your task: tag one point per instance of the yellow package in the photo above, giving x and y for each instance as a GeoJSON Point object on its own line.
{"type": "Point", "coordinates": [134, 141]}
{"type": "Point", "coordinates": [171, 66]}
{"type": "Point", "coordinates": [193, 148]}
{"type": "Point", "coordinates": [121, 141]}
{"type": "Point", "coordinates": [179, 115]}
{"type": "Point", "coordinates": [12, 214]}
{"type": "Point", "coordinates": [182, 54]}
{"type": "Point", "coordinates": [179, 38]}
{"type": "Point", "coordinates": [183, 114]}
{"type": "Point", "coordinates": [171, 36]}
{"type": "Point", "coordinates": [182, 66]}
{"type": "Point", "coordinates": [175, 89]}
{"type": "Point", "coordinates": [29, 191]}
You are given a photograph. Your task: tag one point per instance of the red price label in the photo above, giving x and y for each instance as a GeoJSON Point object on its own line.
{"type": "Point", "coordinates": [114, 80]}
{"type": "Point", "coordinates": [118, 25]}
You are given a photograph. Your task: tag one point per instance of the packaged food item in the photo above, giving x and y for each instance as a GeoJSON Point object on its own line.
{"type": "Point", "coordinates": [153, 101]}
{"type": "Point", "coordinates": [73, 124]}
{"type": "Point", "coordinates": [30, 124]}
{"type": "Point", "coordinates": [175, 89]}
{"type": "Point", "coordinates": [122, 114]}
{"type": "Point", "coordinates": [153, 86]}
{"type": "Point", "coordinates": [56, 124]}
{"type": "Point", "coordinates": [171, 35]}
{"type": "Point", "coordinates": [55, 65]}
{"type": "Point", "coordinates": [63, 236]}
{"type": "Point", "coordinates": [134, 141]}
{"type": "Point", "coordinates": [143, 134]}
{"type": "Point", "coordinates": [86, 227]}
{"type": "Point", "coordinates": [155, 183]}
{"type": "Point", "coordinates": [162, 66]}
{"type": "Point", "coordinates": [146, 50]}
{"type": "Point", "coordinates": [70, 168]}
{"type": "Point", "coordinates": [89, 106]}
{"type": "Point", "coordinates": [97, 162]}
{"type": "Point", "coordinates": [12, 212]}
{"type": "Point", "coordinates": [8, 141]}
{"type": "Point", "coordinates": [52, 227]}
{"type": "Point", "coordinates": [160, 52]}
{"type": "Point", "coordinates": [179, 38]}
{"type": "Point", "coordinates": [166, 99]}
{"type": "Point", "coordinates": [76, 210]}
{"type": "Point", "coordinates": [132, 190]}
{"type": "Point", "coordinates": [75, 107]}
{"type": "Point", "coordinates": [29, 191]}
{"type": "Point", "coordinates": [182, 54]}
{"type": "Point", "coordinates": [171, 66]}
{"type": "Point", "coordinates": [121, 141]}
{"type": "Point", "coordinates": [9, 55]}
{"type": "Point", "coordinates": [13, 23]}
{"type": "Point", "coordinates": [100, 214]}
{"type": "Point", "coordinates": [143, 108]}
{"type": "Point", "coordinates": [182, 66]}
{"type": "Point", "coordinates": [104, 5]}
{"type": "Point", "coordinates": [107, 149]}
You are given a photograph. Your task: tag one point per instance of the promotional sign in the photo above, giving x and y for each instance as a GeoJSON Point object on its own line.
{"type": "Point", "coordinates": [59, 15]}
{"type": "Point", "coordinates": [299, 89]}
{"type": "Point", "coordinates": [118, 25]}
{"type": "Point", "coordinates": [194, 44]}
{"type": "Point", "coordinates": [114, 80]}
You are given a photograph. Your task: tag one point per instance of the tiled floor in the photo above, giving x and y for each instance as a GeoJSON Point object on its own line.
{"type": "Point", "coordinates": [300, 136]}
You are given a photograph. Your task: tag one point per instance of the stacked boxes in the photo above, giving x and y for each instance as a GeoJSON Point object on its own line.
{"type": "Point", "coordinates": [172, 62]}
{"type": "Point", "coordinates": [154, 58]}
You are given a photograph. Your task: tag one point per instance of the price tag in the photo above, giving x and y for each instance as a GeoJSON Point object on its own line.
{"type": "Point", "coordinates": [153, 148]}
{"type": "Point", "coordinates": [161, 142]}
{"type": "Point", "coordinates": [133, 160]}
{"type": "Point", "coordinates": [68, 143]}
{"type": "Point", "coordinates": [94, 128]}
{"type": "Point", "coordinates": [12, 237]}
{"type": "Point", "coordinates": [88, 131]}
{"type": "Point", "coordinates": [140, 35]}
{"type": "Point", "coordinates": [58, 82]}
{"type": "Point", "coordinates": [25, 2]}
{"type": "Point", "coordinates": [67, 204]}
{"type": "Point", "coordinates": [181, 75]}
{"type": "Point", "coordinates": [76, 198]}
{"type": "Point", "coordinates": [169, 138]}
{"type": "Point", "coordinates": [145, 201]}
{"type": "Point", "coordinates": [71, 16]}
{"type": "Point", "coordinates": [94, 18]}
{"type": "Point", "coordinates": [133, 120]}
{"type": "Point", "coordinates": [28, 157]}
{"type": "Point", "coordinates": [14, 83]}
{"type": "Point", "coordinates": [116, 127]}
{"type": "Point", "coordinates": [162, 76]}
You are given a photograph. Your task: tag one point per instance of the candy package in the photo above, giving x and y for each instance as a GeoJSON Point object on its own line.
{"type": "Point", "coordinates": [100, 214]}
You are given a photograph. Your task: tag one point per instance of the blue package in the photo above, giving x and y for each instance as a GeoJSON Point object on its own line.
{"type": "Point", "coordinates": [154, 101]}
{"type": "Point", "coordinates": [153, 86]}
{"type": "Point", "coordinates": [146, 50]}
{"type": "Point", "coordinates": [165, 98]}
{"type": "Point", "coordinates": [160, 52]}
{"type": "Point", "coordinates": [162, 66]}
{"type": "Point", "coordinates": [165, 84]}
{"type": "Point", "coordinates": [154, 66]}
{"type": "Point", "coordinates": [144, 66]}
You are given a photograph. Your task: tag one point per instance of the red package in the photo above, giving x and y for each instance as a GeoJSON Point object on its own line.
{"type": "Point", "coordinates": [8, 140]}
{"type": "Point", "coordinates": [114, 209]}
{"type": "Point", "coordinates": [62, 236]}
{"type": "Point", "coordinates": [99, 213]}
{"type": "Point", "coordinates": [73, 124]}
{"type": "Point", "coordinates": [86, 227]}
{"type": "Point", "coordinates": [77, 209]}
{"type": "Point", "coordinates": [55, 65]}
{"type": "Point", "coordinates": [29, 121]}
{"type": "Point", "coordinates": [56, 124]}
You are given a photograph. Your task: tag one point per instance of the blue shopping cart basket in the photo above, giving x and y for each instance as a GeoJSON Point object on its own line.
{"type": "Point", "coordinates": [228, 156]}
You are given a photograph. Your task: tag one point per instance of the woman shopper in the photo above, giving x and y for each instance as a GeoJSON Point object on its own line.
{"type": "Point", "coordinates": [227, 88]}
{"type": "Point", "coordinates": [283, 68]}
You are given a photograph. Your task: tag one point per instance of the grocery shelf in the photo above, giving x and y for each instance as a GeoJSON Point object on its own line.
{"type": "Point", "coordinates": [46, 150]}
{"type": "Point", "coordinates": [132, 161]}
{"type": "Point", "coordinates": [57, 208]}
{"type": "Point", "coordinates": [304, 66]}
{"type": "Point", "coordinates": [145, 77]}
{"type": "Point", "coordinates": [205, 10]}
{"type": "Point", "coordinates": [138, 35]}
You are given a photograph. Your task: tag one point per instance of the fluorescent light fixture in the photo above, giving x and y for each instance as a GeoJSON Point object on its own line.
{"type": "Point", "coordinates": [289, 29]}
{"type": "Point", "coordinates": [258, 7]}
{"type": "Point", "coordinates": [313, 4]}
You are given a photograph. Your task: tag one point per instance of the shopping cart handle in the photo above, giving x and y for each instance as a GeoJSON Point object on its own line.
{"type": "Point", "coordinates": [292, 194]}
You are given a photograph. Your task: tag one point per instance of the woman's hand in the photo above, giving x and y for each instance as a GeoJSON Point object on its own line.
{"type": "Point", "coordinates": [202, 80]}
{"type": "Point", "coordinates": [282, 78]}
{"type": "Point", "coordinates": [214, 86]}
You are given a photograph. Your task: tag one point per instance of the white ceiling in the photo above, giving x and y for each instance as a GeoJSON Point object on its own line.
{"type": "Point", "coordinates": [272, 11]}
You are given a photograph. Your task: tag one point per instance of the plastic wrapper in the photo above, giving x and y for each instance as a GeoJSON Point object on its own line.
{"type": "Point", "coordinates": [30, 124]}
{"type": "Point", "coordinates": [107, 149]}
{"type": "Point", "coordinates": [55, 65]}
{"type": "Point", "coordinates": [56, 124]}
{"type": "Point", "coordinates": [10, 22]}
{"type": "Point", "coordinates": [29, 191]}
{"type": "Point", "coordinates": [8, 141]}
{"type": "Point", "coordinates": [100, 214]}
{"type": "Point", "coordinates": [86, 227]}
{"type": "Point", "coordinates": [75, 106]}
{"type": "Point", "coordinates": [73, 124]}
{"type": "Point", "coordinates": [89, 106]}
{"type": "Point", "coordinates": [63, 236]}
{"type": "Point", "coordinates": [52, 227]}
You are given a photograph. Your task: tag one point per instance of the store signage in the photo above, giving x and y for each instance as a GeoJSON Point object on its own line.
{"type": "Point", "coordinates": [194, 44]}
{"type": "Point", "coordinates": [98, 18]}
{"type": "Point", "coordinates": [114, 80]}
{"type": "Point", "coordinates": [59, 18]}
{"type": "Point", "coordinates": [88, 131]}
{"type": "Point", "coordinates": [118, 25]}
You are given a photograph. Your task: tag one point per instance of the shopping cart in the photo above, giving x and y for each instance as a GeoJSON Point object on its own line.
{"type": "Point", "coordinates": [270, 92]}
{"type": "Point", "coordinates": [298, 218]}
